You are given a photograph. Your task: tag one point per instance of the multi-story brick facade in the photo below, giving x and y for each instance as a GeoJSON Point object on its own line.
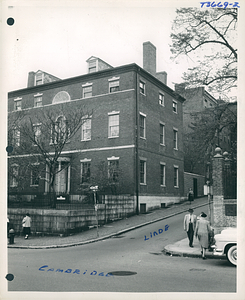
{"type": "Point", "coordinates": [197, 100]}
{"type": "Point", "coordinates": [136, 126]}
{"type": "Point", "coordinates": [198, 103]}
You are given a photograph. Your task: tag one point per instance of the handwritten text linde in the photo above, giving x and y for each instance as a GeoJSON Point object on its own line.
{"type": "Point", "coordinates": [155, 233]}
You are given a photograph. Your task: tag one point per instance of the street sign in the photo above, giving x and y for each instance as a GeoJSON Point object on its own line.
{"type": "Point", "coordinates": [94, 188]}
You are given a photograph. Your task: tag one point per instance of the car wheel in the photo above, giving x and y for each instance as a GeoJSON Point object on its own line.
{"type": "Point", "coordinates": [232, 255]}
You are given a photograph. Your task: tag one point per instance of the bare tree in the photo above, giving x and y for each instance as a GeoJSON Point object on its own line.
{"type": "Point", "coordinates": [205, 133]}
{"type": "Point", "coordinates": [210, 35]}
{"type": "Point", "coordinates": [43, 136]}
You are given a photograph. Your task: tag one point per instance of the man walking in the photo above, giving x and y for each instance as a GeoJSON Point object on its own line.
{"type": "Point", "coordinates": [26, 223]}
{"type": "Point", "coordinates": [189, 225]}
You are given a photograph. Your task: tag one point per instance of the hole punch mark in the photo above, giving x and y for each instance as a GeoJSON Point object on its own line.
{"type": "Point", "coordinates": [9, 149]}
{"type": "Point", "coordinates": [9, 277]}
{"type": "Point", "coordinates": [10, 21]}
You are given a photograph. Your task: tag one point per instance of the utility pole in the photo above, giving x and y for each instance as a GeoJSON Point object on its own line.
{"type": "Point", "coordinates": [209, 204]}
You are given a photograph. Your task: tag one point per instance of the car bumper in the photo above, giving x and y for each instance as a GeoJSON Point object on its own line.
{"type": "Point", "coordinates": [218, 252]}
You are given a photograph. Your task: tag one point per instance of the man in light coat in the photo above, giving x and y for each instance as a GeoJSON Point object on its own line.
{"type": "Point", "coordinates": [190, 225]}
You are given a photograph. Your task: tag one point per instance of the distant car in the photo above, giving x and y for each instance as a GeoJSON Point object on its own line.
{"type": "Point", "coordinates": [226, 244]}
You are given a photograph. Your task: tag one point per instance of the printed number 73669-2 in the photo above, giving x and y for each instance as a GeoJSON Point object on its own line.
{"type": "Point", "coordinates": [219, 4]}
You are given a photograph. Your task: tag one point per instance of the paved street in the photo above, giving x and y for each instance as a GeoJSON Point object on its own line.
{"type": "Point", "coordinates": [135, 251]}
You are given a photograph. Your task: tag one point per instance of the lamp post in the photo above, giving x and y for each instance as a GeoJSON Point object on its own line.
{"type": "Point", "coordinates": [209, 208]}
{"type": "Point", "coordinates": [95, 189]}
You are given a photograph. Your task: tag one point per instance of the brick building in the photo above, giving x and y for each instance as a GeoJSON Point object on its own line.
{"type": "Point", "coordinates": [136, 127]}
{"type": "Point", "coordinates": [198, 103]}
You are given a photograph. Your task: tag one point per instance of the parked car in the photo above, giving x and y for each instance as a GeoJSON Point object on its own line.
{"type": "Point", "coordinates": [226, 244]}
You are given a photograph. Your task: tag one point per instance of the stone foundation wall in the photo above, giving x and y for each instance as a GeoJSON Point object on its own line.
{"type": "Point", "coordinates": [153, 202]}
{"type": "Point", "coordinates": [52, 221]}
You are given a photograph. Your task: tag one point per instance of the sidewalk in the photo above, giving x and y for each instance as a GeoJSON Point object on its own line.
{"type": "Point", "coordinates": [115, 228]}
{"type": "Point", "coordinates": [181, 248]}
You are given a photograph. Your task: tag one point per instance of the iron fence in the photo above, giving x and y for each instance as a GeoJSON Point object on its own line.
{"type": "Point", "coordinates": [44, 201]}
{"type": "Point", "coordinates": [230, 183]}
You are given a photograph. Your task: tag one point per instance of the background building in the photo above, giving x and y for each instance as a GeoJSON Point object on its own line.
{"type": "Point", "coordinates": [208, 123]}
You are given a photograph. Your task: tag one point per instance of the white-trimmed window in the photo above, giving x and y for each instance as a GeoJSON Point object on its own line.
{"type": "Point", "coordinates": [85, 170]}
{"type": "Point", "coordinates": [142, 125]}
{"type": "Point", "coordinates": [113, 169]}
{"type": "Point", "coordinates": [175, 107]}
{"type": "Point", "coordinates": [87, 90]}
{"type": "Point", "coordinates": [16, 137]}
{"type": "Point", "coordinates": [59, 131]}
{"type": "Point", "coordinates": [35, 174]}
{"type": "Point", "coordinates": [17, 103]}
{"type": "Point", "coordinates": [92, 67]}
{"type": "Point", "coordinates": [61, 96]}
{"type": "Point", "coordinates": [14, 175]}
{"type": "Point", "coordinates": [176, 176]}
{"type": "Point", "coordinates": [142, 87]}
{"type": "Point", "coordinates": [86, 130]}
{"type": "Point", "coordinates": [175, 132]}
{"type": "Point", "coordinates": [163, 174]}
{"type": "Point", "coordinates": [113, 124]}
{"type": "Point", "coordinates": [162, 134]}
{"type": "Point", "coordinates": [37, 132]}
{"type": "Point", "coordinates": [161, 99]}
{"type": "Point", "coordinates": [113, 86]}
{"type": "Point", "coordinates": [142, 171]}
{"type": "Point", "coordinates": [39, 78]}
{"type": "Point", "coordinates": [38, 100]}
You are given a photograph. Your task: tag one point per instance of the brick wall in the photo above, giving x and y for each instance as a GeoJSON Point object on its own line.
{"type": "Point", "coordinates": [188, 183]}
{"type": "Point", "coordinates": [100, 147]}
{"type": "Point", "coordinates": [220, 219]}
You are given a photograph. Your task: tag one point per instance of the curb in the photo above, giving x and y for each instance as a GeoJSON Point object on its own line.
{"type": "Point", "coordinates": [105, 237]}
{"type": "Point", "coordinates": [184, 254]}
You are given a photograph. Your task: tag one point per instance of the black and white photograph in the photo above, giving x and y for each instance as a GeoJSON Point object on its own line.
{"type": "Point", "coordinates": [121, 149]}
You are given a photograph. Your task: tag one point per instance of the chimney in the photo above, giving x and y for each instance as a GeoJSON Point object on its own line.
{"type": "Point", "coordinates": [31, 79]}
{"type": "Point", "coordinates": [162, 76]}
{"type": "Point", "coordinates": [180, 88]}
{"type": "Point", "coordinates": [149, 58]}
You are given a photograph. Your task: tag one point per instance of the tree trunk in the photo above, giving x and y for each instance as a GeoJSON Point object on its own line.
{"type": "Point", "coordinates": [52, 193]}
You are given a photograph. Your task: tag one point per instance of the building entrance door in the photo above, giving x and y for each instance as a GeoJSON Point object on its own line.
{"type": "Point", "coordinates": [61, 177]}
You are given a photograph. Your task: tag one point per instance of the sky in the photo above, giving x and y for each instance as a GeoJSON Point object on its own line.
{"type": "Point", "coordinates": [58, 37]}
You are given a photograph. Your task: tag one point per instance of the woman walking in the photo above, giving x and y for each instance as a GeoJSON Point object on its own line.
{"type": "Point", "coordinates": [26, 223]}
{"type": "Point", "coordinates": [202, 230]}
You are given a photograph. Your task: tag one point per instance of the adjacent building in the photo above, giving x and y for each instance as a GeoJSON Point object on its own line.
{"type": "Point", "coordinates": [198, 103]}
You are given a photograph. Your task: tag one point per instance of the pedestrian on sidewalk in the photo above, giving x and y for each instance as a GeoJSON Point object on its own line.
{"type": "Point", "coordinates": [202, 232]}
{"type": "Point", "coordinates": [190, 225]}
{"type": "Point", "coordinates": [190, 195]}
{"type": "Point", "coordinates": [26, 223]}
